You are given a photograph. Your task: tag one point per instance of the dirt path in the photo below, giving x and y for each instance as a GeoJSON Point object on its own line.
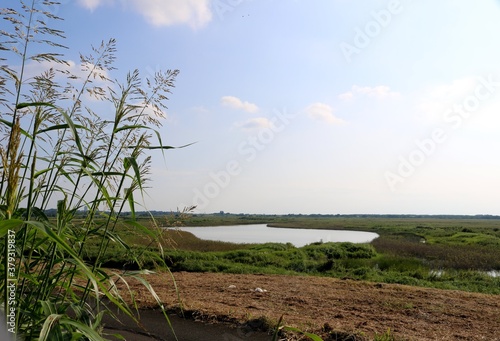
{"type": "Point", "coordinates": [316, 303]}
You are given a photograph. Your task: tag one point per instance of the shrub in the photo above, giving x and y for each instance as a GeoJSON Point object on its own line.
{"type": "Point", "coordinates": [332, 251]}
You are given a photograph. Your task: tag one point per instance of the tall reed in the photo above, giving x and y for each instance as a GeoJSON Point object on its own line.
{"type": "Point", "coordinates": [61, 146]}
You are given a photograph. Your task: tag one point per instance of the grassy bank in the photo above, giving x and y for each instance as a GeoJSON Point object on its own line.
{"type": "Point", "coordinates": [441, 253]}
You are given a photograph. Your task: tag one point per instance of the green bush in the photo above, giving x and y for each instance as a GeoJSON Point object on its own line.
{"type": "Point", "coordinates": [332, 251]}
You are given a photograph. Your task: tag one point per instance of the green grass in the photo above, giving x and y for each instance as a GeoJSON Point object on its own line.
{"type": "Point", "coordinates": [399, 257]}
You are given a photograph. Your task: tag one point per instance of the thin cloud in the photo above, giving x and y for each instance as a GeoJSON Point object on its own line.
{"type": "Point", "coordinates": [195, 13]}
{"type": "Point", "coordinates": [236, 103]}
{"type": "Point", "coordinates": [347, 96]}
{"type": "Point", "coordinates": [436, 99]}
{"type": "Point", "coordinates": [200, 109]}
{"type": "Point", "coordinates": [148, 110]}
{"type": "Point", "coordinates": [91, 4]}
{"type": "Point", "coordinates": [77, 70]}
{"type": "Point", "coordinates": [255, 124]}
{"type": "Point", "coordinates": [379, 92]}
{"type": "Point", "coordinates": [323, 112]}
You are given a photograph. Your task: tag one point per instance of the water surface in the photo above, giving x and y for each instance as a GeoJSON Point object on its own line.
{"type": "Point", "coordinates": [261, 233]}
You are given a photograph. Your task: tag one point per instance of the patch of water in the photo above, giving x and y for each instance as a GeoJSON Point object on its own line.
{"type": "Point", "coordinates": [436, 273]}
{"type": "Point", "coordinates": [439, 273]}
{"type": "Point", "coordinates": [261, 233]}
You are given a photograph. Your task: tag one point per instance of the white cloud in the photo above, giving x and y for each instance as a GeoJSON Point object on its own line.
{"type": "Point", "coordinates": [441, 101]}
{"type": "Point", "coordinates": [486, 120]}
{"type": "Point", "coordinates": [255, 123]}
{"type": "Point", "coordinates": [378, 92]}
{"type": "Point", "coordinates": [236, 103]}
{"type": "Point", "coordinates": [347, 96]}
{"type": "Point", "coordinates": [436, 99]}
{"type": "Point", "coordinates": [93, 4]}
{"type": "Point", "coordinates": [195, 13]}
{"type": "Point", "coordinates": [80, 71]}
{"type": "Point", "coordinates": [199, 109]}
{"type": "Point", "coordinates": [148, 110]}
{"type": "Point", "coordinates": [323, 112]}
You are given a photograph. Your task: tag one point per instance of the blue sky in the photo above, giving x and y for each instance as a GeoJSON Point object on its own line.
{"type": "Point", "coordinates": [323, 106]}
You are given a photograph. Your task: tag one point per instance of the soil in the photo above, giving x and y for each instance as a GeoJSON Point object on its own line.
{"type": "Point", "coordinates": [327, 306]}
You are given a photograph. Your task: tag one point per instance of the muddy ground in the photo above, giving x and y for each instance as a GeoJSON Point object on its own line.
{"type": "Point", "coordinates": [323, 305]}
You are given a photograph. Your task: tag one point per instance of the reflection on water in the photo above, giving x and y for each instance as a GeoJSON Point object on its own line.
{"type": "Point", "coordinates": [262, 234]}
{"type": "Point", "coordinates": [436, 273]}
{"type": "Point", "coordinates": [440, 273]}
{"type": "Point", "coordinates": [493, 273]}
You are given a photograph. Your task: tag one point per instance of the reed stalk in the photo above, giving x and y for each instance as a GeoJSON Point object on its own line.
{"type": "Point", "coordinates": [56, 151]}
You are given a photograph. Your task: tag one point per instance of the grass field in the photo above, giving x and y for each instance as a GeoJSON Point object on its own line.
{"type": "Point", "coordinates": [432, 252]}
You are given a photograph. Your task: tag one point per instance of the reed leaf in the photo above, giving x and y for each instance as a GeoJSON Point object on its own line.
{"type": "Point", "coordinates": [48, 328]}
{"type": "Point", "coordinates": [132, 162]}
{"type": "Point", "coordinates": [313, 337]}
{"type": "Point", "coordinates": [11, 125]}
{"type": "Point", "coordinates": [54, 148]}
{"type": "Point", "coordinates": [158, 300]}
{"type": "Point", "coordinates": [9, 224]}
{"type": "Point", "coordinates": [84, 329]}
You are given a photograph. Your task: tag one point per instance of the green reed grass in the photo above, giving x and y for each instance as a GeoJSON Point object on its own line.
{"type": "Point", "coordinates": [58, 148]}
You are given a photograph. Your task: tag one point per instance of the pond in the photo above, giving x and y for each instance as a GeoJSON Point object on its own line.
{"type": "Point", "coordinates": [261, 233]}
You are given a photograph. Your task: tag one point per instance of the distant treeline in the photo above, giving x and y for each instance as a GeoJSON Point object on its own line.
{"type": "Point", "coordinates": [144, 214]}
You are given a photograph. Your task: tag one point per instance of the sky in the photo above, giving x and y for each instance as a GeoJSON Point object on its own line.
{"type": "Point", "coordinates": [319, 106]}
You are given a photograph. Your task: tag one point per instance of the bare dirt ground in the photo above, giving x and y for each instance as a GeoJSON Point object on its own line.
{"type": "Point", "coordinates": [319, 305]}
